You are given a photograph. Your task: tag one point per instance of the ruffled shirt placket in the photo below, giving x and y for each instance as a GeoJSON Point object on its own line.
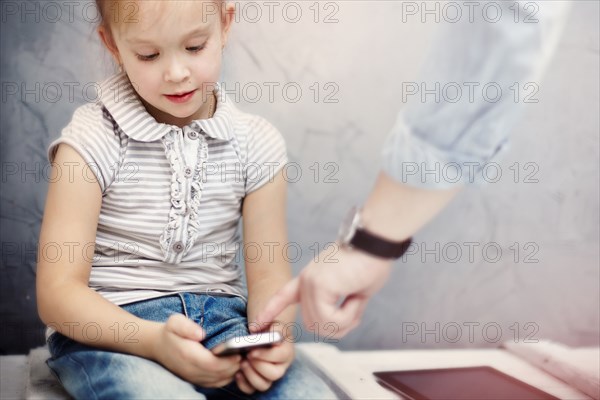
{"type": "Point", "coordinates": [187, 152]}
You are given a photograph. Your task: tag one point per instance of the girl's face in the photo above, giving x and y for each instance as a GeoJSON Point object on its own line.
{"type": "Point", "coordinates": [172, 55]}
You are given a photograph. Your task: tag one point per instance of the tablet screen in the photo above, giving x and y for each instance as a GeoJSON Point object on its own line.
{"type": "Point", "coordinates": [459, 383]}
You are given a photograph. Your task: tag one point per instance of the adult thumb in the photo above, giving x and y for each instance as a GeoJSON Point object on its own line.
{"type": "Point", "coordinates": [185, 327]}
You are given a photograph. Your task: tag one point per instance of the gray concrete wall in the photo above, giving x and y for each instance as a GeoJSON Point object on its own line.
{"type": "Point", "coordinates": [545, 284]}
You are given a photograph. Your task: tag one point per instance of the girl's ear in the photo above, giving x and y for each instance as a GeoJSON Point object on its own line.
{"type": "Point", "coordinates": [109, 43]}
{"type": "Point", "coordinates": [227, 15]}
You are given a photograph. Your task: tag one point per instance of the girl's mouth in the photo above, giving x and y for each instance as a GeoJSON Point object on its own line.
{"type": "Point", "coordinates": [180, 98]}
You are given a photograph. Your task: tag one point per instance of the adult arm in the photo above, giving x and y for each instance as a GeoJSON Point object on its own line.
{"type": "Point", "coordinates": [429, 134]}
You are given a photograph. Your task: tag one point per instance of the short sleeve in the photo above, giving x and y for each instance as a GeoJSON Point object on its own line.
{"type": "Point", "coordinates": [92, 135]}
{"type": "Point", "coordinates": [267, 154]}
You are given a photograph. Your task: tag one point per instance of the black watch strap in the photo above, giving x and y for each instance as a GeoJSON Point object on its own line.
{"type": "Point", "coordinates": [378, 246]}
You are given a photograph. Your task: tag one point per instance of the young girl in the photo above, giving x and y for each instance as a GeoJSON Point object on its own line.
{"type": "Point", "coordinates": [137, 278]}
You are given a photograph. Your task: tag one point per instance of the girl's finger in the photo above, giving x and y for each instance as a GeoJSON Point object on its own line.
{"type": "Point", "coordinates": [222, 383]}
{"type": "Point", "coordinates": [254, 378]}
{"type": "Point", "coordinates": [243, 384]}
{"type": "Point", "coordinates": [277, 354]}
{"type": "Point", "coordinates": [269, 371]}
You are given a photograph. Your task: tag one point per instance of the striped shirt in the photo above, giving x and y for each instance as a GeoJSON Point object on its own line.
{"type": "Point", "coordinates": [171, 197]}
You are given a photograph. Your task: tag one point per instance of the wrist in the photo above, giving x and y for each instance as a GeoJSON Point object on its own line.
{"type": "Point", "coordinates": [152, 340]}
{"type": "Point", "coordinates": [382, 223]}
{"type": "Point", "coordinates": [385, 215]}
{"type": "Point", "coordinates": [396, 211]}
{"type": "Point", "coordinates": [367, 258]}
{"type": "Point", "coordinates": [353, 233]}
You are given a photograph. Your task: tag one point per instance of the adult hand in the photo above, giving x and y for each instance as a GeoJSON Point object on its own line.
{"type": "Point", "coordinates": [349, 274]}
{"type": "Point", "coordinates": [179, 350]}
{"type": "Point", "coordinates": [265, 366]}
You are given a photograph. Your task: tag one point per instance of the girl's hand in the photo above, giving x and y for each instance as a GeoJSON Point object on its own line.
{"type": "Point", "coordinates": [179, 350]}
{"type": "Point", "coordinates": [264, 366]}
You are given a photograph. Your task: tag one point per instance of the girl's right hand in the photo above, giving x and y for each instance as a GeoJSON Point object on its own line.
{"type": "Point", "coordinates": [179, 350]}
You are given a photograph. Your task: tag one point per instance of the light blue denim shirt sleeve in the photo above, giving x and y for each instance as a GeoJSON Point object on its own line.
{"type": "Point", "coordinates": [459, 113]}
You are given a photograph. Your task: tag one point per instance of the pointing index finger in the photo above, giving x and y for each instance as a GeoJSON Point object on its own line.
{"type": "Point", "coordinates": [286, 296]}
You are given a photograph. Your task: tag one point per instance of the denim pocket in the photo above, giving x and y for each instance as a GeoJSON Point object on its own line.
{"type": "Point", "coordinates": [224, 318]}
{"type": "Point", "coordinates": [157, 309]}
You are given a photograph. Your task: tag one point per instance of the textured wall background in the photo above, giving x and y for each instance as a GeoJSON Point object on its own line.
{"type": "Point", "coordinates": [350, 73]}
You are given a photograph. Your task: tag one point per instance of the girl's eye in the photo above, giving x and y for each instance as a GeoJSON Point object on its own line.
{"type": "Point", "coordinates": [151, 57]}
{"type": "Point", "coordinates": [195, 49]}
{"type": "Point", "coordinates": [147, 58]}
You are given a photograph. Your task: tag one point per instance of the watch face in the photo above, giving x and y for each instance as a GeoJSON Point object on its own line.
{"type": "Point", "coordinates": [348, 227]}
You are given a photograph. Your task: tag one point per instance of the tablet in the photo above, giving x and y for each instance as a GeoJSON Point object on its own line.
{"type": "Point", "coordinates": [474, 383]}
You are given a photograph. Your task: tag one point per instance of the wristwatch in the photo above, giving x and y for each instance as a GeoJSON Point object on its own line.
{"type": "Point", "coordinates": [353, 234]}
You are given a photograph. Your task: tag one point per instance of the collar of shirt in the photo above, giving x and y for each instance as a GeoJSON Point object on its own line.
{"type": "Point", "coordinates": [122, 102]}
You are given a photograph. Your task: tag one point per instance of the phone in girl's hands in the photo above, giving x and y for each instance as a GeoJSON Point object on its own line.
{"type": "Point", "coordinates": [243, 344]}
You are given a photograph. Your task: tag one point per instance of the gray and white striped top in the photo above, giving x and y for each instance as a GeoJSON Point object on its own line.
{"type": "Point", "coordinates": [171, 197]}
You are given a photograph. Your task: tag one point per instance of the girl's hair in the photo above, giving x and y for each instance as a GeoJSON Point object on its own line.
{"type": "Point", "coordinates": [116, 14]}
{"type": "Point", "coordinates": [105, 8]}
{"type": "Point", "coordinates": [113, 13]}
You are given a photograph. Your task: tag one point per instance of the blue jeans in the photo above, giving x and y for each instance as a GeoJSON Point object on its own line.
{"type": "Point", "coordinates": [92, 373]}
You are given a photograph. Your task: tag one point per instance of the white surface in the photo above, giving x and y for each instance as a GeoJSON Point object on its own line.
{"type": "Point", "coordinates": [352, 370]}
{"type": "Point", "coordinates": [42, 383]}
{"type": "Point", "coordinates": [28, 377]}
{"type": "Point", "coordinates": [13, 375]}
{"type": "Point", "coordinates": [579, 367]}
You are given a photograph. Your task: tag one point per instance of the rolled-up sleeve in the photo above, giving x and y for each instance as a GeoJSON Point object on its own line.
{"type": "Point", "coordinates": [472, 86]}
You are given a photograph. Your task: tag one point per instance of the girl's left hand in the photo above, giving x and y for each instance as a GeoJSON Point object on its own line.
{"type": "Point", "coordinates": [262, 367]}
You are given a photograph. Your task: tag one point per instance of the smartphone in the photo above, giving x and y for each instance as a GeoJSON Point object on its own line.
{"type": "Point", "coordinates": [243, 344]}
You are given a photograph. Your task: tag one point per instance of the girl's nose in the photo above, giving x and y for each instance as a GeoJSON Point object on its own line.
{"type": "Point", "coordinates": [176, 71]}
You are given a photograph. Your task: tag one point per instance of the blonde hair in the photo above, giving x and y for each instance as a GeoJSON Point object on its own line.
{"type": "Point", "coordinates": [116, 13]}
